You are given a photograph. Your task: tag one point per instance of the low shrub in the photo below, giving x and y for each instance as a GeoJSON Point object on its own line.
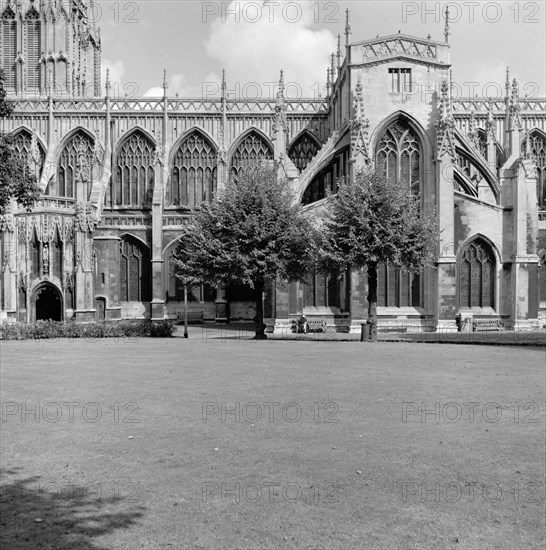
{"type": "Point", "coordinates": [90, 331]}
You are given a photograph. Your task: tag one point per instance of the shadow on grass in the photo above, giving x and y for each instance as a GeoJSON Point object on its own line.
{"type": "Point", "coordinates": [34, 515]}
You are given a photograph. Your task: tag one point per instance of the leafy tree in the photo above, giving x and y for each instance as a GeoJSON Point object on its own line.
{"type": "Point", "coordinates": [16, 180]}
{"type": "Point", "coordinates": [251, 234]}
{"type": "Point", "coordinates": [375, 220]}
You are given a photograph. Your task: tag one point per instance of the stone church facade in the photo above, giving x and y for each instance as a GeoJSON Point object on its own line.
{"type": "Point", "coordinates": [121, 176]}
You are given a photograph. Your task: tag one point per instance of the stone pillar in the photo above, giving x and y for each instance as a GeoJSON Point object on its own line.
{"type": "Point", "coordinates": [524, 276]}
{"type": "Point", "coordinates": [358, 299]}
{"type": "Point", "coordinates": [8, 269]}
{"type": "Point", "coordinates": [161, 174]}
{"type": "Point", "coordinates": [447, 306]}
{"type": "Point", "coordinates": [84, 274]}
{"type": "Point", "coordinates": [158, 281]}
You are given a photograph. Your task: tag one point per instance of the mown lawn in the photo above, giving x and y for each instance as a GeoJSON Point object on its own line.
{"type": "Point", "coordinates": [169, 444]}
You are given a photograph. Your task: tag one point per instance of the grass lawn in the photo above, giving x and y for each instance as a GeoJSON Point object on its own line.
{"type": "Point", "coordinates": [171, 444]}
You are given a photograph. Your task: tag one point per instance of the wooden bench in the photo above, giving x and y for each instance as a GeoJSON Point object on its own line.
{"type": "Point", "coordinates": [317, 325]}
{"type": "Point", "coordinates": [481, 325]}
{"type": "Point", "coordinates": [313, 325]}
{"type": "Point", "coordinates": [193, 317]}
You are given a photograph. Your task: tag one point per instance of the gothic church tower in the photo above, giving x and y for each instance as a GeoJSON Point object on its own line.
{"type": "Point", "coordinates": [50, 47]}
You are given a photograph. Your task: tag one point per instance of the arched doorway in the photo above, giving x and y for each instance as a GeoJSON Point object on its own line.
{"type": "Point", "coordinates": [100, 306]}
{"type": "Point", "coordinates": [47, 303]}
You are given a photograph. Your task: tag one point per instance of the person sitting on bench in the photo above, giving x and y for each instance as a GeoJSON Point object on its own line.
{"type": "Point", "coordinates": [303, 325]}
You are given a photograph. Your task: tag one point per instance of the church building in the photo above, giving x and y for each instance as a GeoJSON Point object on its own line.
{"type": "Point", "coordinates": [120, 177]}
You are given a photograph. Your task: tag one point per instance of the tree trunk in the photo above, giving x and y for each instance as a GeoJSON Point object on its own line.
{"type": "Point", "coordinates": [260, 326]}
{"type": "Point", "coordinates": [372, 301]}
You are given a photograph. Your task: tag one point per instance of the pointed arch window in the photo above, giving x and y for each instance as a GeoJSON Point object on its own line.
{"type": "Point", "coordinates": [397, 288]}
{"type": "Point", "coordinates": [194, 173]}
{"type": "Point", "coordinates": [134, 271]}
{"type": "Point", "coordinates": [482, 142]}
{"type": "Point", "coordinates": [252, 150]}
{"type": "Point", "coordinates": [33, 28]}
{"type": "Point", "coordinates": [303, 151]}
{"type": "Point", "coordinates": [9, 46]}
{"type": "Point", "coordinates": [477, 276]}
{"type": "Point", "coordinates": [133, 173]}
{"type": "Point", "coordinates": [537, 149]}
{"type": "Point", "coordinates": [399, 155]}
{"type": "Point", "coordinates": [77, 168]}
{"type": "Point", "coordinates": [175, 286]}
{"type": "Point", "coordinates": [30, 151]}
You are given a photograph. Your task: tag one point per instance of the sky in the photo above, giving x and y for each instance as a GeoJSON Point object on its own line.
{"type": "Point", "coordinates": [253, 40]}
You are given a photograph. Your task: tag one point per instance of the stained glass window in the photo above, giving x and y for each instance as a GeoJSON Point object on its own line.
{"type": "Point", "coordinates": [398, 154]}
{"type": "Point", "coordinates": [77, 168]}
{"type": "Point", "coordinates": [477, 276]}
{"type": "Point", "coordinates": [133, 173]}
{"type": "Point", "coordinates": [135, 280]}
{"type": "Point", "coordinates": [175, 287]}
{"type": "Point", "coordinates": [194, 172]}
{"type": "Point", "coordinates": [29, 150]}
{"type": "Point", "coordinates": [252, 150]}
{"type": "Point", "coordinates": [303, 151]}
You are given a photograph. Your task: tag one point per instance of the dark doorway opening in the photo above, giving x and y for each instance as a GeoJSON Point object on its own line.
{"type": "Point", "coordinates": [48, 304]}
{"type": "Point", "coordinates": [100, 306]}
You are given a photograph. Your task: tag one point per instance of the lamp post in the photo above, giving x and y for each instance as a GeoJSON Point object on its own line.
{"type": "Point", "coordinates": [185, 310]}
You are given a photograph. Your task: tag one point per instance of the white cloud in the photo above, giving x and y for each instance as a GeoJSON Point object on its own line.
{"type": "Point", "coordinates": [117, 71]}
{"type": "Point", "coordinates": [255, 39]}
{"type": "Point", "coordinates": [178, 85]}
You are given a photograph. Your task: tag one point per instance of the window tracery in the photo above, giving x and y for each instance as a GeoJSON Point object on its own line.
{"type": "Point", "coordinates": [398, 154]}
{"type": "Point", "coordinates": [252, 150]}
{"type": "Point", "coordinates": [30, 151]}
{"type": "Point", "coordinates": [77, 168]}
{"type": "Point", "coordinates": [134, 273]}
{"type": "Point", "coordinates": [194, 173]}
{"type": "Point", "coordinates": [133, 173]}
{"type": "Point", "coordinates": [477, 276]}
{"type": "Point", "coordinates": [175, 286]}
{"type": "Point", "coordinates": [303, 151]}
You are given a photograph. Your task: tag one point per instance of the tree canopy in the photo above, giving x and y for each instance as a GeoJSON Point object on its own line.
{"type": "Point", "coordinates": [16, 180]}
{"type": "Point", "coordinates": [251, 234]}
{"type": "Point", "coordinates": [374, 219]}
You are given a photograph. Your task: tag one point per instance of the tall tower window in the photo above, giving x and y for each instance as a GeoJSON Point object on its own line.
{"type": "Point", "coordinates": [399, 80]}
{"type": "Point", "coordinates": [33, 49]}
{"type": "Point", "coordinates": [399, 156]}
{"type": "Point", "coordinates": [194, 172]}
{"type": "Point", "coordinates": [9, 45]}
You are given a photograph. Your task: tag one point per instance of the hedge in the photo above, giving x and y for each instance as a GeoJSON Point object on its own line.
{"type": "Point", "coordinates": [91, 331]}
